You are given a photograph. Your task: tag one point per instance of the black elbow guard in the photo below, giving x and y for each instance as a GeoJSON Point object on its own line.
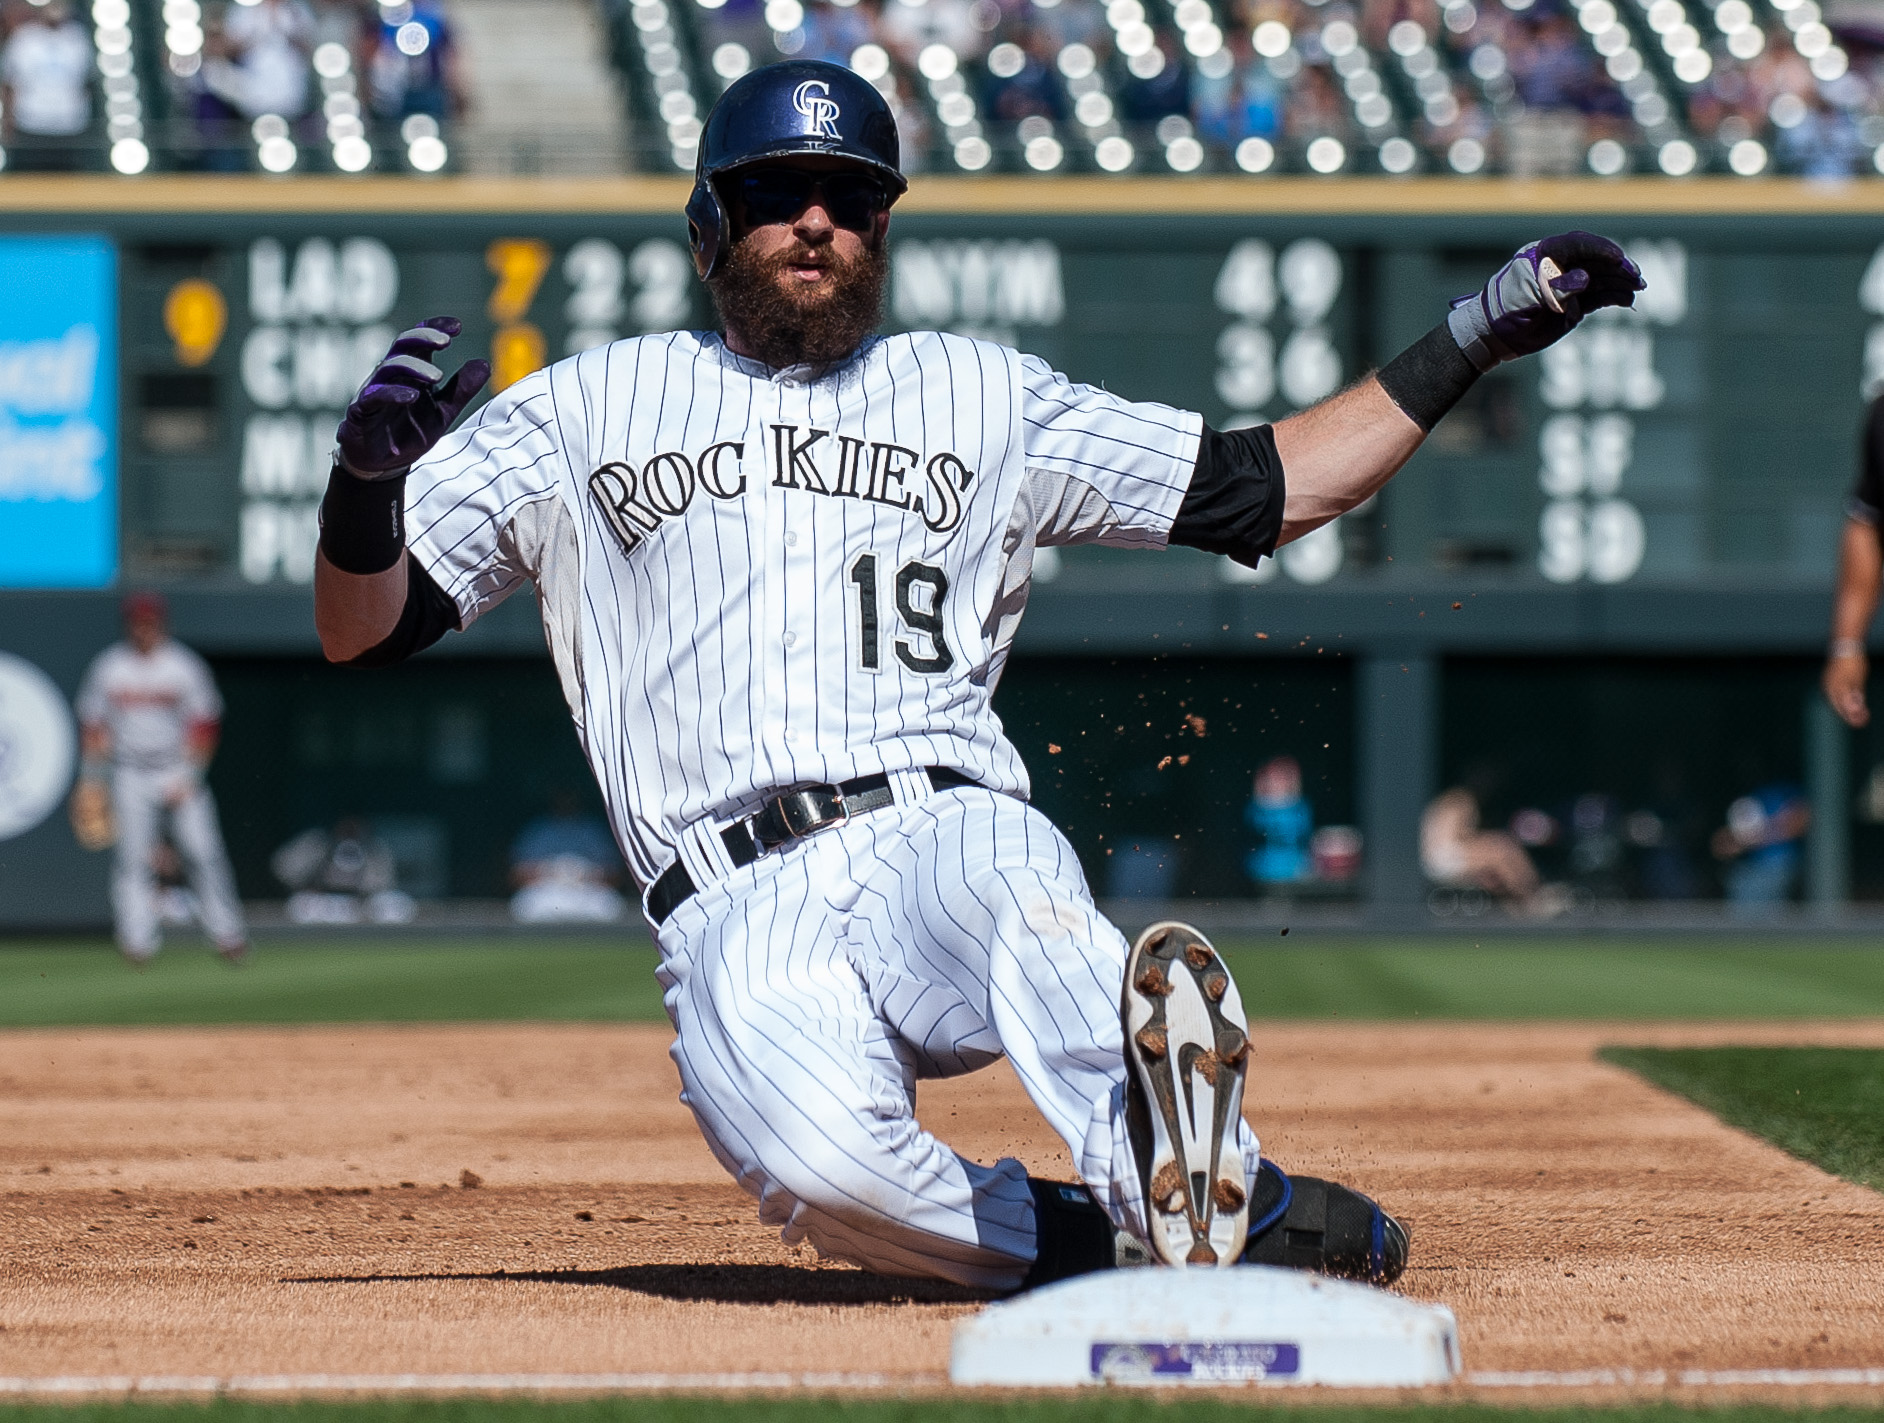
{"type": "Point", "coordinates": [427, 616]}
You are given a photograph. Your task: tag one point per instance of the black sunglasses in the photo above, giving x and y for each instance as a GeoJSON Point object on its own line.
{"type": "Point", "coordinates": [854, 200]}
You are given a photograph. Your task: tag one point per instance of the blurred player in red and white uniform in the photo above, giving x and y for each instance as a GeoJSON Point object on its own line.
{"type": "Point", "coordinates": [151, 717]}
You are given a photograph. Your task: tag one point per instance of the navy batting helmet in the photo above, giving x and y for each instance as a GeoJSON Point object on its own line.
{"type": "Point", "coordinates": [800, 106]}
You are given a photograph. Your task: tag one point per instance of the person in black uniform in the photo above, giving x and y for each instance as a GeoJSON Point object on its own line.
{"type": "Point", "coordinates": [1860, 572]}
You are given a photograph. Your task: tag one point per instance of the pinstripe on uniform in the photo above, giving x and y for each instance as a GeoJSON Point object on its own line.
{"type": "Point", "coordinates": [753, 579]}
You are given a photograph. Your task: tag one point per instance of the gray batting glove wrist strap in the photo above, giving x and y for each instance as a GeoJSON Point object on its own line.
{"type": "Point", "coordinates": [375, 476]}
{"type": "Point", "coordinates": [1472, 330]}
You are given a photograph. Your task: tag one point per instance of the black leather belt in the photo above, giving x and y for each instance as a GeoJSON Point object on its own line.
{"type": "Point", "coordinates": [787, 817]}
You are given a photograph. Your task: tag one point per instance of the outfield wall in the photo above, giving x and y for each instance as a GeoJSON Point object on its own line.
{"type": "Point", "coordinates": [1664, 486]}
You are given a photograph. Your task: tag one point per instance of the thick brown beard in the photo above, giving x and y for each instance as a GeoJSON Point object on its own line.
{"type": "Point", "coordinates": [783, 324]}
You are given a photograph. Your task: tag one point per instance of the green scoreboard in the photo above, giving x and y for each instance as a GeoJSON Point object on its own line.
{"type": "Point", "coordinates": [1706, 435]}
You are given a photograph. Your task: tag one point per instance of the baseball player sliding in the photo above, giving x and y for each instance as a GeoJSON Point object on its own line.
{"type": "Point", "coordinates": [780, 568]}
{"type": "Point", "coordinates": [151, 716]}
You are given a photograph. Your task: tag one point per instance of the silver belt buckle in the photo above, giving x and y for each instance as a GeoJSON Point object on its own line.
{"type": "Point", "coordinates": [799, 810]}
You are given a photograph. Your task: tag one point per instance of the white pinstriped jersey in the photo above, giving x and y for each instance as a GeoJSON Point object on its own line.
{"type": "Point", "coordinates": [753, 579]}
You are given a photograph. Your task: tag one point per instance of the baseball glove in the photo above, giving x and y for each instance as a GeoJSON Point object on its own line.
{"type": "Point", "coordinates": [92, 821]}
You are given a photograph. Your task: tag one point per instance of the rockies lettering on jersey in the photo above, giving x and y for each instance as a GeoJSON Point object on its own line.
{"type": "Point", "coordinates": [752, 578]}
{"type": "Point", "coordinates": [634, 502]}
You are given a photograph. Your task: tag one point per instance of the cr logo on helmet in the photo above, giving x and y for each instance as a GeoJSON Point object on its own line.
{"type": "Point", "coordinates": [819, 107]}
{"type": "Point", "coordinates": [779, 111]}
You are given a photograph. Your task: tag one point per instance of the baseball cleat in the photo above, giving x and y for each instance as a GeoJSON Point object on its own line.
{"type": "Point", "coordinates": [1072, 1233]}
{"type": "Point", "coordinates": [1186, 1051]}
{"type": "Point", "coordinates": [1306, 1223]}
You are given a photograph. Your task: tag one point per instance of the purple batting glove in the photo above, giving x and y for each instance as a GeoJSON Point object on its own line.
{"type": "Point", "coordinates": [1540, 295]}
{"type": "Point", "coordinates": [406, 405]}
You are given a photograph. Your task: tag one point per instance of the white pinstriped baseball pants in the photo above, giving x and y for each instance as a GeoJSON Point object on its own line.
{"type": "Point", "coordinates": [812, 988]}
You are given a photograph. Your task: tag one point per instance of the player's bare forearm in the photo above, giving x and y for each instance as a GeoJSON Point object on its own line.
{"type": "Point", "coordinates": [1860, 576]}
{"type": "Point", "coordinates": [1336, 454]}
{"type": "Point", "coordinates": [356, 611]}
{"type": "Point", "coordinates": [1854, 604]}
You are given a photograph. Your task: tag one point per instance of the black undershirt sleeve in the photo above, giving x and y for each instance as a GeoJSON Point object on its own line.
{"type": "Point", "coordinates": [1234, 503]}
{"type": "Point", "coordinates": [427, 616]}
{"type": "Point", "coordinates": [1866, 504]}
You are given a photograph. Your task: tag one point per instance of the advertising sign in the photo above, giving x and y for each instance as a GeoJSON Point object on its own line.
{"type": "Point", "coordinates": [37, 745]}
{"type": "Point", "coordinates": [58, 412]}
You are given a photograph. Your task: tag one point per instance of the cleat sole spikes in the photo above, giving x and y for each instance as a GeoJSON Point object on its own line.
{"type": "Point", "coordinates": [1187, 1051]}
{"type": "Point", "coordinates": [1167, 1191]}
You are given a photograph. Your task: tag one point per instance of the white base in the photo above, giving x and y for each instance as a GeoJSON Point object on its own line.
{"type": "Point", "coordinates": [1251, 1324]}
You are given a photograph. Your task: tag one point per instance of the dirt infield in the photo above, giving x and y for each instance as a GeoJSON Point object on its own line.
{"type": "Point", "coordinates": [534, 1200]}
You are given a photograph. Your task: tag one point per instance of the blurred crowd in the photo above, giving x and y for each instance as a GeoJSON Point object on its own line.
{"type": "Point", "coordinates": [1520, 86]}
{"type": "Point", "coordinates": [1593, 849]}
{"type": "Point", "coordinates": [46, 106]}
{"type": "Point", "coordinates": [269, 58]}
{"type": "Point", "coordinates": [1525, 86]}
{"type": "Point", "coordinates": [1589, 851]}
{"type": "Point", "coordinates": [563, 868]}
{"type": "Point", "coordinates": [211, 82]}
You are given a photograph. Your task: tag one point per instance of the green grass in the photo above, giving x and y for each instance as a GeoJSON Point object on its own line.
{"type": "Point", "coordinates": [1822, 1104]}
{"type": "Point", "coordinates": [1108, 1407]}
{"type": "Point", "coordinates": [563, 979]}
{"type": "Point", "coordinates": [1568, 978]}
{"type": "Point", "coordinates": [554, 979]}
